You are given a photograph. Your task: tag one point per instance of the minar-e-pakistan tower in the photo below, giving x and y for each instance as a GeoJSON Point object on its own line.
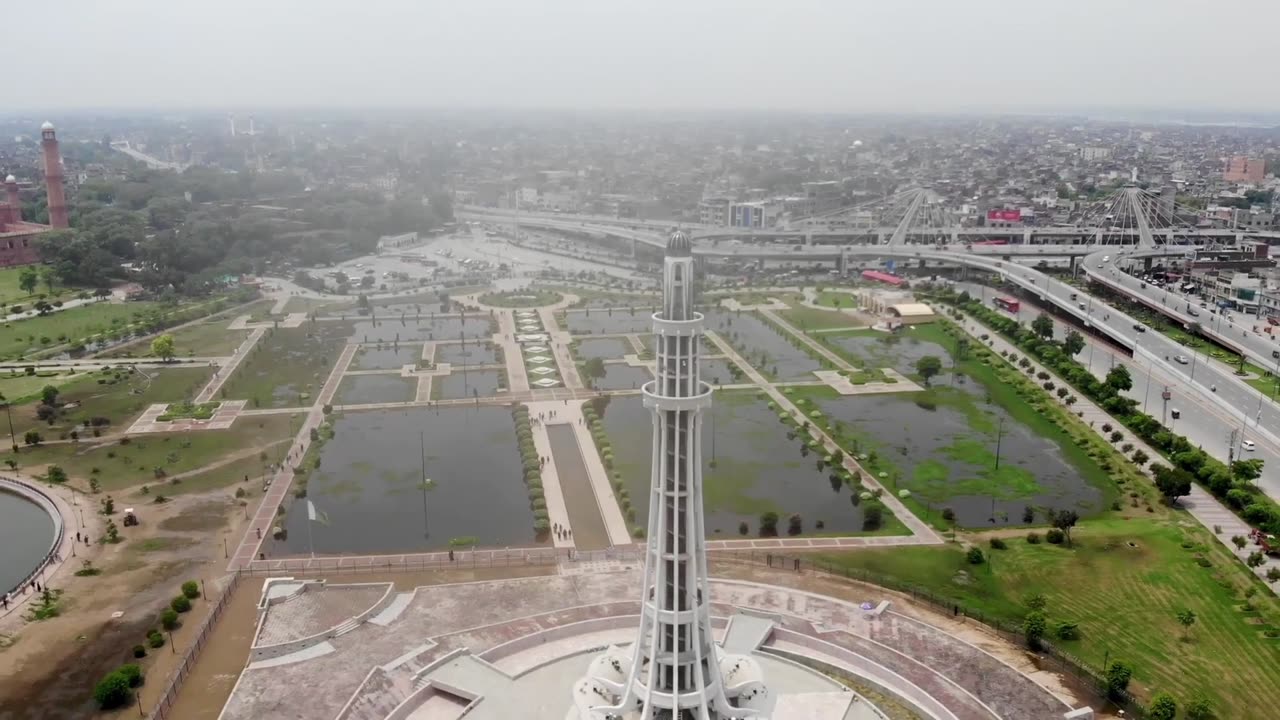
{"type": "Point", "coordinates": [674, 670]}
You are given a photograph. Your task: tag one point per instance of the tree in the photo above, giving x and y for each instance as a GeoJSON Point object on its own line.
{"type": "Point", "coordinates": [28, 278]}
{"type": "Point", "coordinates": [55, 474]}
{"type": "Point", "coordinates": [1239, 541]}
{"type": "Point", "coordinates": [1273, 574]}
{"type": "Point", "coordinates": [49, 278]}
{"type": "Point", "coordinates": [1064, 520]}
{"type": "Point", "coordinates": [872, 515]}
{"type": "Point", "coordinates": [1042, 326]}
{"type": "Point", "coordinates": [49, 395]}
{"type": "Point", "coordinates": [1186, 619]}
{"type": "Point", "coordinates": [1033, 627]}
{"type": "Point", "coordinates": [1118, 675]}
{"type": "Point", "coordinates": [593, 368]}
{"type": "Point", "coordinates": [795, 524]}
{"type": "Point", "coordinates": [32, 437]}
{"type": "Point", "coordinates": [162, 347]}
{"type": "Point", "coordinates": [1162, 707]}
{"type": "Point", "coordinates": [769, 523]}
{"type": "Point", "coordinates": [928, 366]}
{"type": "Point", "coordinates": [1172, 483]}
{"type": "Point", "coordinates": [1255, 559]}
{"type": "Point", "coordinates": [1073, 343]}
{"type": "Point", "coordinates": [1118, 379]}
{"type": "Point", "coordinates": [1247, 470]}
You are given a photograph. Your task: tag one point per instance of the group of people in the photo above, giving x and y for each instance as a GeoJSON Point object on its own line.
{"type": "Point", "coordinates": [562, 533]}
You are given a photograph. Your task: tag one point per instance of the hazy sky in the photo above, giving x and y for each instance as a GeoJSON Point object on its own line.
{"type": "Point", "coordinates": [819, 55]}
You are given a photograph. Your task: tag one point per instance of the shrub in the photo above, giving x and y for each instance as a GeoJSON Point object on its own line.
{"type": "Point", "coordinates": [1163, 707]}
{"type": "Point", "coordinates": [1033, 538]}
{"type": "Point", "coordinates": [1067, 631]}
{"type": "Point", "coordinates": [1118, 674]}
{"type": "Point", "coordinates": [191, 589]}
{"type": "Point", "coordinates": [1033, 627]}
{"type": "Point", "coordinates": [1054, 536]}
{"type": "Point", "coordinates": [998, 544]}
{"type": "Point", "coordinates": [975, 556]}
{"type": "Point", "coordinates": [169, 619]}
{"type": "Point", "coordinates": [132, 673]}
{"type": "Point", "coordinates": [139, 651]}
{"type": "Point", "coordinates": [111, 691]}
{"type": "Point", "coordinates": [181, 604]}
{"type": "Point", "coordinates": [1198, 708]}
{"type": "Point", "coordinates": [155, 639]}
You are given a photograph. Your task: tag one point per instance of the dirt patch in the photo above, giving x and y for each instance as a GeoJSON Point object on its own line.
{"type": "Point", "coordinates": [49, 668]}
{"type": "Point", "coordinates": [198, 516]}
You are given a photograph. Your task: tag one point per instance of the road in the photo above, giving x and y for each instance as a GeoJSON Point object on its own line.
{"type": "Point", "coordinates": [1203, 420]}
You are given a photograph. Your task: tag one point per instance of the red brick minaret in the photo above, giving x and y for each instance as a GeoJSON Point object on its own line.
{"type": "Point", "coordinates": [12, 211]}
{"type": "Point", "coordinates": [53, 176]}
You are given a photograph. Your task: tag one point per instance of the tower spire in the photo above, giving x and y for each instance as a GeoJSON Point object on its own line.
{"type": "Point", "coordinates": [53, 176]}
{"type": "Point", "coordinates": [673, 671]}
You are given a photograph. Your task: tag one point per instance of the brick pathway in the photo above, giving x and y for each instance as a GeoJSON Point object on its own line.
{"type": "Point", "coordinates": [223, 373]}
{"type": "Point", "coordinates": [259, 527]}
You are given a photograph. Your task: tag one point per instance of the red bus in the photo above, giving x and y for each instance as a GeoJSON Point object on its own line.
{"type": "Point", "coordinates": [1005, 303]}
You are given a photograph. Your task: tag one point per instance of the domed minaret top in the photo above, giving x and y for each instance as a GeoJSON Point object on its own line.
{"type": "Point", "coordinates": [46, 125]}
{"type": "Point", "coordinates": [678, 244]}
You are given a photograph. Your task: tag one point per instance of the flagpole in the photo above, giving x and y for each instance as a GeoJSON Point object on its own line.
{"type": "Point", "coordinates": [421, 438]}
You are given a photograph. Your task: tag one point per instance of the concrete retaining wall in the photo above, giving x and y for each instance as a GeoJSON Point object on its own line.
{"type": "Point", "coordinates": [267, 652]}
{"type": "Point", "coordinates": [46, 503]}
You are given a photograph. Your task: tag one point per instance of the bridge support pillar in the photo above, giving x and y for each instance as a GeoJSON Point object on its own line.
{"type": "Point", "coordinates": [955, 236]}
{"type": "Point", "coordinates": [842, 262]}
{"type": "Point", "coordinates": [1026, 236]}
{"type": "Point", "coordinates": [879, 238]}
{"type": "Point", "coordinates": [1146, 264]}
{"type": "Point", "coordinates": [1097, 237]}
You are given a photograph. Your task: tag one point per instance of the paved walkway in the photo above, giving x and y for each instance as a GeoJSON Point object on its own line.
{"type": "Point", "coordinates": [560, 341]}
{"type": "Point", "coordinates": [512, 354]}
{"type": "Point", "coordinates": [263, 518]}
{"type": "Point", "coordinates": [1200, 503]}
{"type": "Point", "coordinates": [71, 506]}
{"type": "Point", "coordinates": [554, 495]}
{"type": "Point", "coordinates": [917, 526]}
{"type": "Point", "coordinates": [221, 376]}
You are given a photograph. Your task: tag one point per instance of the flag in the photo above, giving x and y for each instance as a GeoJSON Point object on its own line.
{"type": "Point", "coordinates": [315, 515]}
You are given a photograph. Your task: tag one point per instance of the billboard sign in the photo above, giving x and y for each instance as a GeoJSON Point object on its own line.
{"type": "Point", "coordinates": [1004, 216]}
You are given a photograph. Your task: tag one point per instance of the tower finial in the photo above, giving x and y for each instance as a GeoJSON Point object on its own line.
{"type": "Point", "coordinates": [678, 244]}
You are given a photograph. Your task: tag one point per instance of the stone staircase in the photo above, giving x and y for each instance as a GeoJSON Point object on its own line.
{"type": "Point", "coordinates": [376, 697]}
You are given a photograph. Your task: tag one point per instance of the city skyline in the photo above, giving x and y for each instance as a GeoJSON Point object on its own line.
{"type": "Point", "coordinates": [989, 56]}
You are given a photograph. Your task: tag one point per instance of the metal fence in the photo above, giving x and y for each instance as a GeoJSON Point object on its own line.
{"type": "Point", "coordinates": [164, 703]}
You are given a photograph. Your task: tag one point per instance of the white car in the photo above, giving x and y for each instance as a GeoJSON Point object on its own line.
{"type": "Point", "coordinates": [1247, 445]}
{"type": "Point", "coordinates": [1181, 359]}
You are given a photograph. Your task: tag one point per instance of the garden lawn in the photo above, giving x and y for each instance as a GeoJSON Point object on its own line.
{"type": "Point", "coordinates": [204, 339]}
{"type": "Point", "coordinates": [225, 472]}
{"type": "Point", "coordinates": [1124, 598]}
{"type": "Point", "coordinates": [833, 299]}
{"type": "Point", "coordinates": [71, 325]}
{"type": "Point", "coordinates": [19, 387]}
{"type": "Point", "coordinates": [127, 465]}
{"type": "Point", "coordinates": [120, 397]}
{"type": "Point", "coordinates": [288, 366]}
{"type": "Point", "coordinates": [807, 318]}
{"type": "Point", "coordinates": [11, 293]}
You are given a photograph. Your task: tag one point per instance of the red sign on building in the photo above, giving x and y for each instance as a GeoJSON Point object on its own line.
{"type": "Point", "coordinates": [1004, 216]}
